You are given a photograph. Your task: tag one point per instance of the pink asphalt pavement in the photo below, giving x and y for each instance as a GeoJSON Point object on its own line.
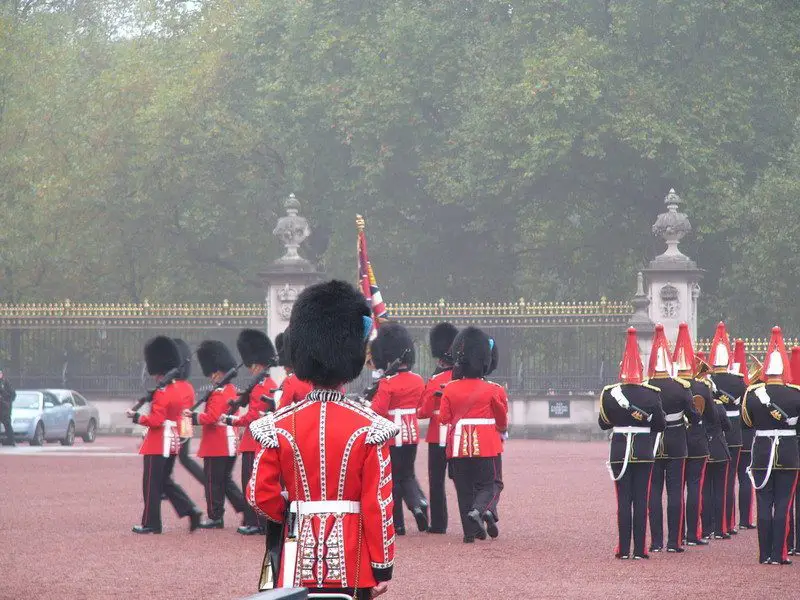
{"type": "Point", "coordinates": [66, 514]}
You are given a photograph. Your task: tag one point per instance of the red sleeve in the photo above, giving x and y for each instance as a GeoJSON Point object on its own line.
{"type": "Point", "coordinates": [287, 391]}
{"type": "Point", "coordinates": [445, 411]}
{"type": "Point", "coordinates": [427, 403]}
{"type": "Point", "coordinates": [500, 409]}
{"type": "Point", "coordinates": [158, 410]}
{"type": "Point", "coordinates": [216, 405]}
{"type": "Point", "coordinates": [380, 402]}
{"type": "Point", "coordinates": [264, 491]}
{"type": "Point", "coordinates": [376, 508]}
{"type": "Point", "coordinates": [253, 410]}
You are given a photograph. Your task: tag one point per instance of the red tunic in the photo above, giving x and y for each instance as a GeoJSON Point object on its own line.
{"type": "Point", "coordinates": [255, 410]}
{"type": "Point", "coordinates": [398, 398]}
{"type": "Point", "coordinates": [476, 411]}
{"type": "Point", "coordinates": [185, 400]}
{"type": "Point", "coordinates": [429, 409]}
{"type": "Point", "coordinates": [217, 439]}
{"type": "Point", "coordinates": [342, 458]}
{"type": "Point", "coordinates": [161, 438]}
{"type": "Point", "coordinates": [294, 390]}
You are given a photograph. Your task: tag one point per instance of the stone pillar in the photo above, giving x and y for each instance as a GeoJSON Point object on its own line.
{"type": "Point", "coordinates": [287, 276]}
{"type": "Point", "coordinates": [640, 319]}
{"type": "Point", "coordinates": [673, 278]}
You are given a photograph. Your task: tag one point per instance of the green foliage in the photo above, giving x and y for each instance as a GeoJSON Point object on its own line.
{"type": "Point", "coordinates": [497, 150]}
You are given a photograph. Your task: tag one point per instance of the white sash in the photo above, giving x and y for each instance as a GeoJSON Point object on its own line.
{"type": "Point", "coordinates": [169, 438]}
{"type": "Point", "coordinates": [231, 433]}
{"type": "Point", "coordinates": [460, 424]}
{"type": "Point", "coordinates": [775, 435]}
{"type": "Point", "coordinates": [398, 413]}
{"type": "Point", "coordinates": [628, 432]}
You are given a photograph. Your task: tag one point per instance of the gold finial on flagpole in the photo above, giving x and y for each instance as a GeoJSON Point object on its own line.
{"type": "Point", "coordinates": [360, 223]}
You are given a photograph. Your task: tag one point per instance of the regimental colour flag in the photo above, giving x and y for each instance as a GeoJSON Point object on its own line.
{"type": "Point", "coordinates": [366, 278]}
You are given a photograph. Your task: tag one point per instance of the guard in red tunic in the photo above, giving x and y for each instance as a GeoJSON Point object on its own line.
{"type": "Point", "coordinates": [292, 388]}
{"type": "Point", "coordinates": [730, 390]}
{"type": "Point", "coordinates": [331, 455]}
{"type": "Point", "coordinates": [398, 398]}
{"type": "Point", "coordinates": [745, 485]}
{"type": "Point", "coordinates": [258, 355]}
{"type": "Point", "coordinates": [475, 412]}
{"type": "Point", "coordinates": [441, 338]}
{"type": "Point", "coordinates": [772, 410]}
{"type": "Point", "coordinates": [632, 411]}
{"type": "Point", "coordinates": [160, 445]}
{"type": "Point", "coordinates": [185, 429]}
{"type": "Point", "coordinates": [218, 443]}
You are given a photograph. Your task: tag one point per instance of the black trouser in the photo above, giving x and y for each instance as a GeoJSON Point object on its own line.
{"type": "Point", "coordinates": [219, 484]}
{"type": "Point", "coordinates": [405, 486]}
{"type": "Point", "coordinates": [632, 491]}
{"type": "Point", "coordinates": [437, 473]}
{"type": "Point", "coordinates": [157, 478]}
{"type": "Point", "coordinates": [695, 474]}
{"type": "Point", "coordinates": [189, 463]}
{"type": "Point", "coordinates": [745, 490]}
{"type": "Point", "coordinates": [474, 481]}
{"type": "Point", "coordinates": [498, 485]}
{"type": "Point", "coordinates": [5, 420]}
{"type": "Point", "coordinates": [671, 470]}
{"type": "Point", "coordinates": [773, 503]}
{"type": "Point", "coordinates": [251, 519]}
{"type": "Point", "coordinates": [714, 498]}
{"type": "Point", "coordinates": [730, 492]}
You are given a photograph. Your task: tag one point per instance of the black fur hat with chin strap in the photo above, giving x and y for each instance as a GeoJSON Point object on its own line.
{"type": "Point", "coordinates": [214, 356]}
{"type": "Point", "coordinates": [393, 343]}
{"type": "Point", "coordinates": [282, 348]}
{"type": "Point", "coordinates": [328, 332]}
{"type": "Point", "coordinates": [161, 355]}
{"type": "Point", "coordinates": [472, 353]}
{"type": "Point", "coordinates": [186, 358]}
{"type": "Point", "coordinates": [441, 339]}
{"type": "Point", "coordinates": [255, 348]}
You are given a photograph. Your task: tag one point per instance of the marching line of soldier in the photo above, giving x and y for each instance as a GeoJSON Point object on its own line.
{"type": "Point", "coordinates": [697, 426]}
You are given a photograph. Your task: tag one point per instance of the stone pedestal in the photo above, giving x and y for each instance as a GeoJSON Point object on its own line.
{"type": "Point", "coordinates": [673, 278]}
{"type": "Point", "coordinates": [641, 321]}
{"type": "Point", "coordinates": [286, 277]}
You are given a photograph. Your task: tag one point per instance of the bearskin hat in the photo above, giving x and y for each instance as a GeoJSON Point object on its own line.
{"type": "Point", "coordinates": [393, 342]}
{"type": "Point", "coordinates": [161, 355]}
{"type": "Point", "coordinates": [186, 358]}
{"type": "Point", "coordinates": [255, 348]}
{"type": "Point", "coordinates": [328, 332]}
{"type": "Point", "coordinates": [214, 356]}
{"type": "Point", "coordinates": [282, 348]}
{"type": "Point", "coordinates": [441, 338]}
{"type": "Point", "coordinates": [472, 353]}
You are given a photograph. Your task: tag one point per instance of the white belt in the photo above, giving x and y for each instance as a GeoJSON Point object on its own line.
{"type": "Point", "coordinates": [631, 429]}
{"type": "Point", "coordinates": [398, 414]}
{"type": "Point", "coordinates": [322, 507]}
{"type": "Point", "coordinates": [436, 412]}
{"type": "Point", "coordinates": [230, 432]}
{"type": "Point", "coordinates": [776, 435]}
{"type": "Point", "coordinates": [672, 417]}
{"type": "Point", "coordinates": [732, 413]}
{"type": "Point", "coordinates": [166, 450]}
{"type": "Point", "coordinates": [460, 424]}
{"type": "Point", "coordinates": [628, 432]}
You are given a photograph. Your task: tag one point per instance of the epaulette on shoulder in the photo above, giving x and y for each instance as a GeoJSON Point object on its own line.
{"type": "Point", "coordinates": [755, 386]}
{"type": "Point", "coordinates": [704, 382]}
{"type": "Point", "coordinates": [793, 386]}
{"type": "Point", "coordinates": [718, 401]}
{"type": "Point", "coordinates": [381, 430]}
{"type": "Point", "coordinates": [264, 430]}
{"type": "Point", "coordinates": [683, 382]}
{"type": "Point", "coordinates": [650, 387]}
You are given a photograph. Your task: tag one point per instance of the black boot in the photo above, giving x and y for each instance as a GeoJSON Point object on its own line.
{"type": "Point", "coordinates": [194, 520]}
{"type": "Point", "coordinates": [212, 524]}
{"type": "Point", "coordinates": [421, 516]}
{"type": "Point", "coordinates": [475, 517]}
{"type": "Point", "coordinates": [491, 524]}
{"type": "Point", "coordinates": [143, 529]}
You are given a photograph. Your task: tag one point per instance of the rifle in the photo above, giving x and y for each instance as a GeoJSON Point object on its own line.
{"type": "Point", "coordinates": [169, 377]}
{"type": "Point", "coordinates": [226, 379]}
{"type": "Point", "coordinates": [392, 369]}
{"type": "Point", "coordinates": [244, 397]}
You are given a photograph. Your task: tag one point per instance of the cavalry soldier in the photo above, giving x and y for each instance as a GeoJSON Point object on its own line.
{"type": "Point", "coordinates": [292, 389]}
{"type": "Point", "coordinates": [185, 432]}
{"type": "Point", "coordinates": [160, 445]}
{"type": "Point", "coordinates": [258, 355]}
{"type": "Point", "coordinates": [631, 409]}
{"type": "Point", "coordinates": [331, 454]}
{"type": "Point", "coordinates": [475, 410]}
{"type": "Point", "coordinates": [730, 389]}
{"type": "Point", "coordinates": [745, 485]}
{"type": "Point", "coordinates": [714, 485]}
{"type": "Point", "coordinates": [671, 448]}
{"type": "Point", "coordinates": [218, 442]}
{"type": "Point", "coordinates": [794, 515]}
{"type": "Point", "coordinates": [398, 397]}
{"type": "Point", "coordinates": [441, 339]}
{"type": "Point", "coordinates": [772, 409]}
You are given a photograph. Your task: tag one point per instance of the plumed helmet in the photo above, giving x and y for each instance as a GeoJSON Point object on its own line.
{"type": "Point", "coordinates": [441, 338]}
{"type": "Point", "coordinates": [161, 355]}
{"type": "Point", "coordinates": [393, 342]}
{"type": "Point", "coordinates": [472, 353]}
{"type": "Point", "coordinates": [328, 332]}
{"type": "Point", "coordinates": [282, 348]}
{"type": "Point", "coordinates": [214, 356]}
{"type": "Point", "coordinates": [255, 348]}
{"type": "Point", "coordinates": [186, 358]}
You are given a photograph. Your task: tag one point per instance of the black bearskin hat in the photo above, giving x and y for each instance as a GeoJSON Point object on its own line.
{"type": "Point", "coordinates": [186, 358]}
{"type": "Point", "coordinates": [393, 342]}
{"type": "Point", "coordinates": [214, 356]}
{"type": "Point", "coordinates": [161, 355]}
{"type": "Point", "coordinates": [282, 348]}
{"type": "Point", "coordinates": [328, 332]}
{"type": "Point", "coordinates": [255, 348]}
{"type": "Point", "coordinates": [441, 338]}
{"type": "Point", "coordinates": [472, 353]}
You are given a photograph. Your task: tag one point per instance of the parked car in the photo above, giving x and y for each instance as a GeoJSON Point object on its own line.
{"type": "Point", "coordinates": [85, 416]}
